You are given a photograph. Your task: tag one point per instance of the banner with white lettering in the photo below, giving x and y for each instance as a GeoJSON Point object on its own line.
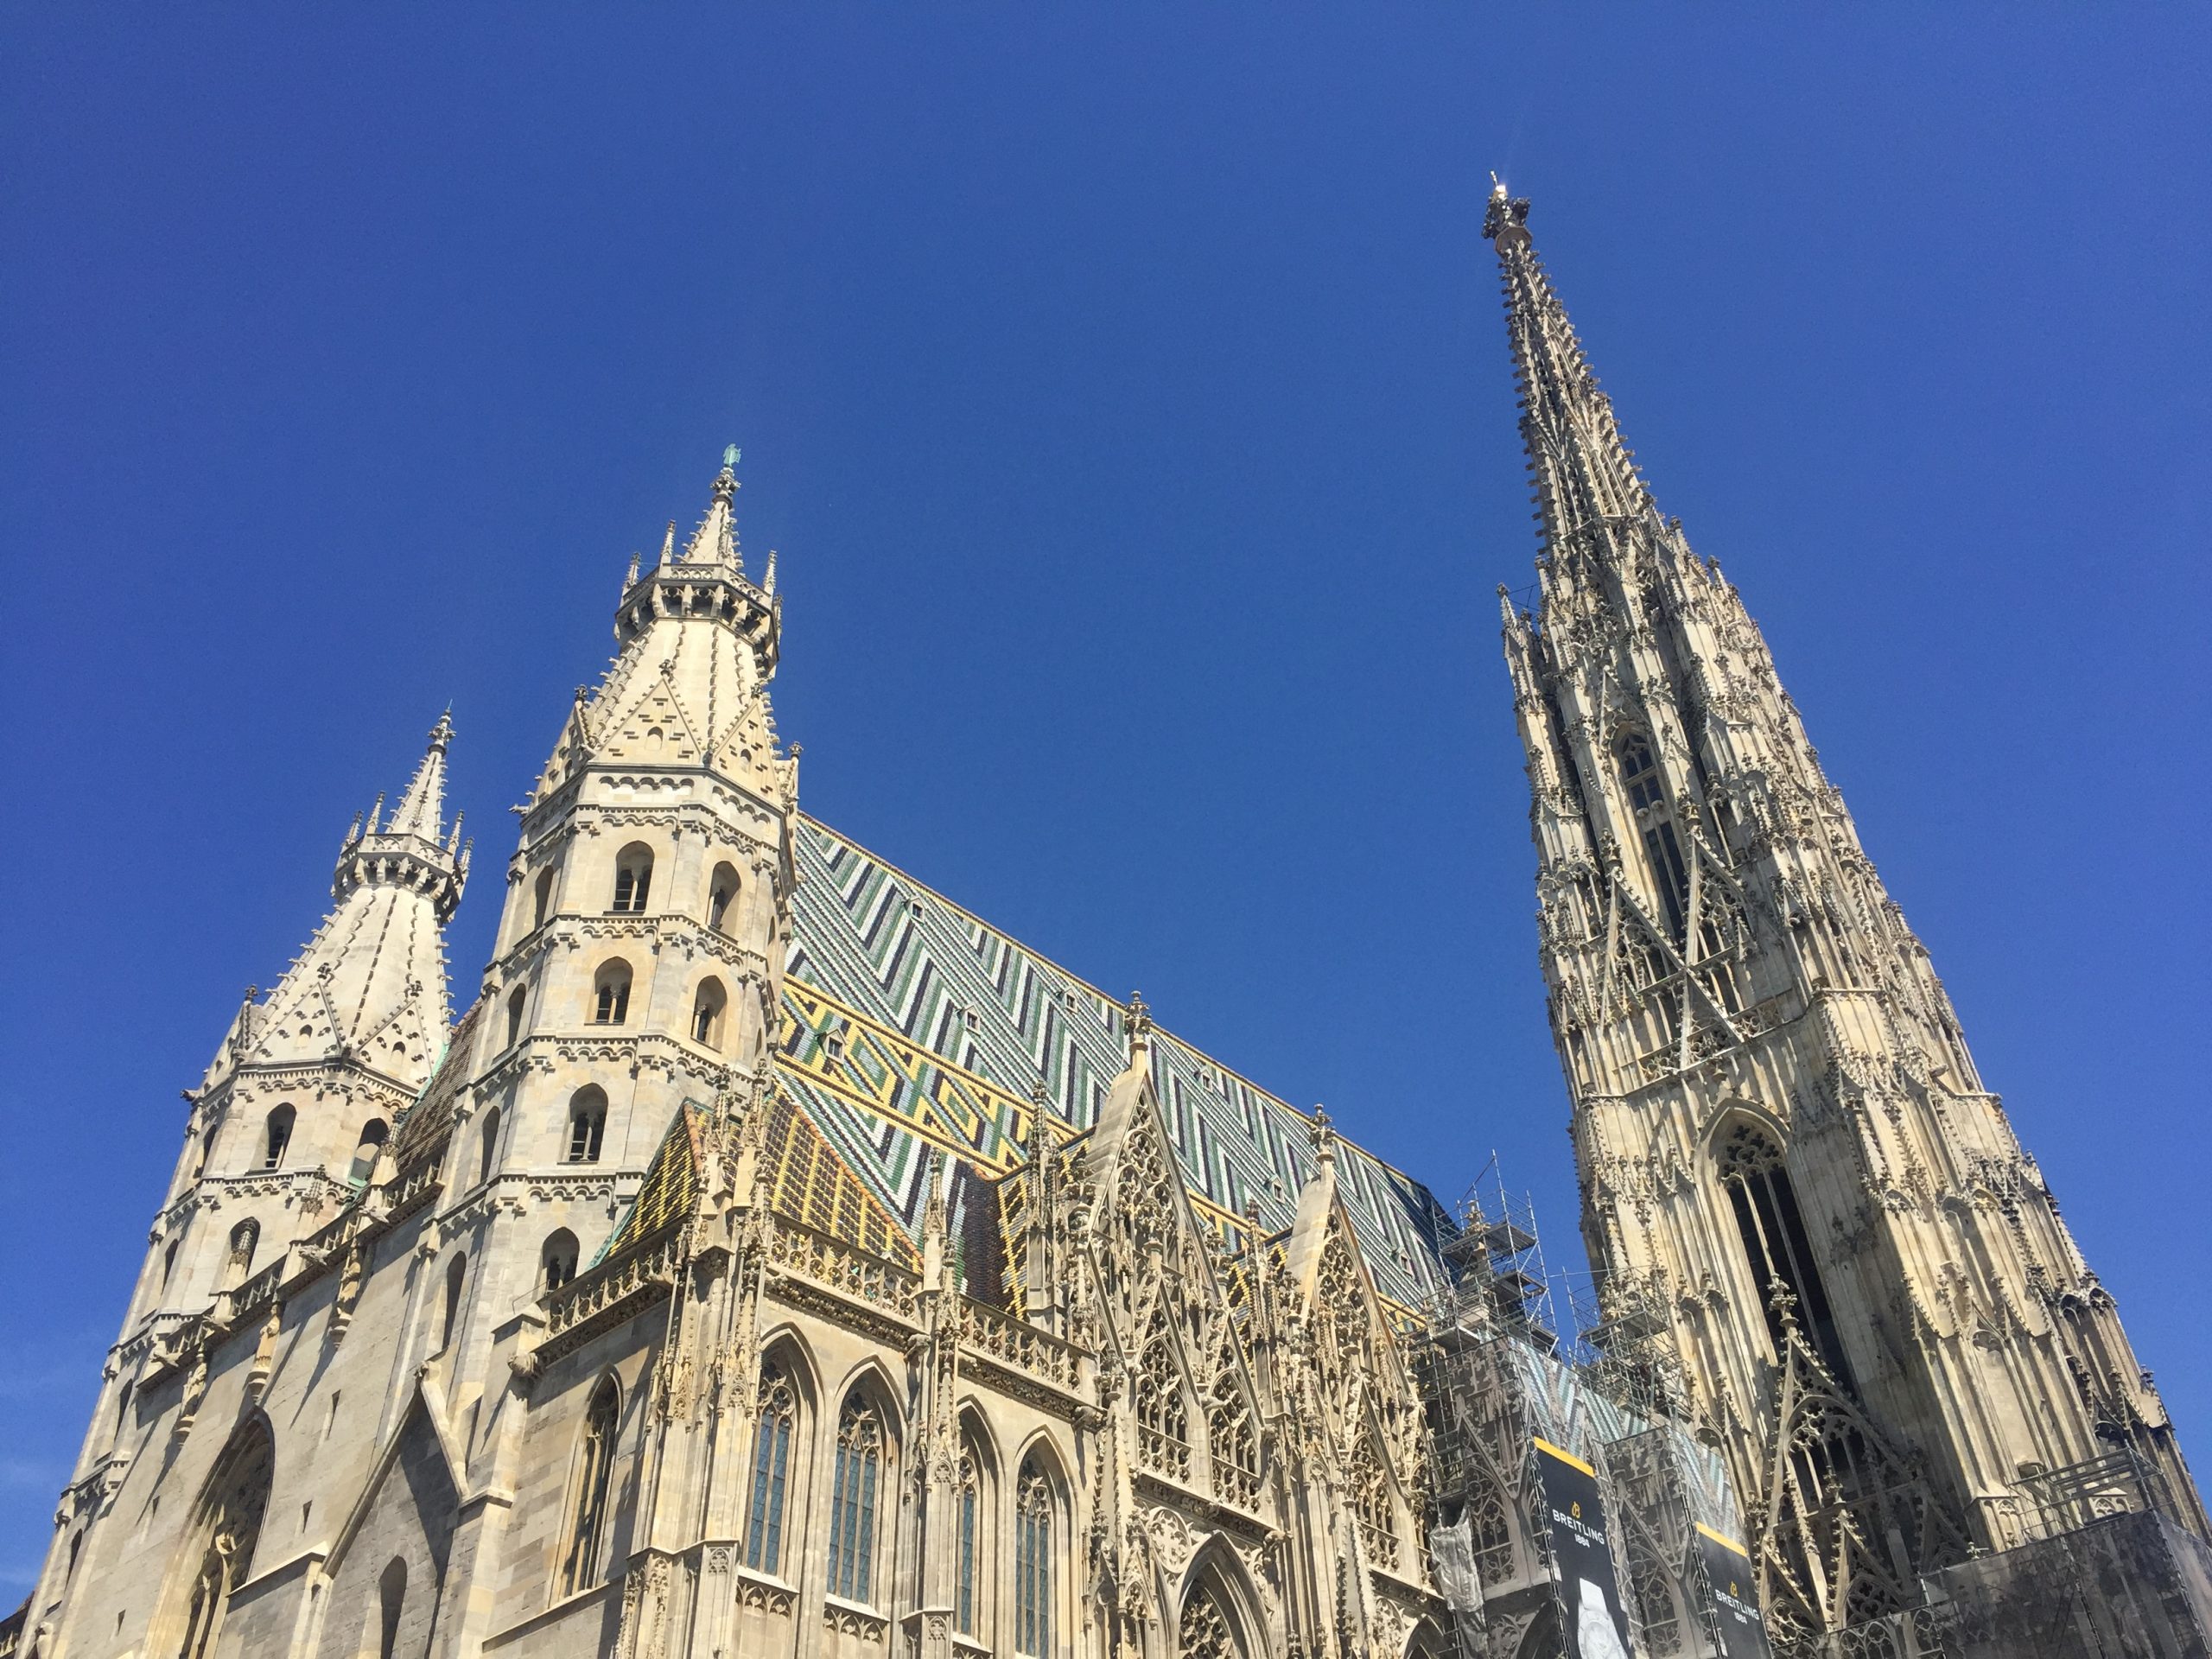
{"type": "Point", "coordinates": [1735, 1599]}
{"type": "Point", "coordinates": [1582, 1559]}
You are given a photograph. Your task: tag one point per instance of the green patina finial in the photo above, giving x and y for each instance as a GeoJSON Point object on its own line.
{"type": "Point", "coordinates": [729, 459]}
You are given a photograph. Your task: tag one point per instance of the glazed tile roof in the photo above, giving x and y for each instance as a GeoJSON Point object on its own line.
{"type": "Point", "coordinates": [913, 1024]}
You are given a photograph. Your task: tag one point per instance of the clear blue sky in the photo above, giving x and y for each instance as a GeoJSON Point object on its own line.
{"type": "Point", "coordinates": [1126, 390]}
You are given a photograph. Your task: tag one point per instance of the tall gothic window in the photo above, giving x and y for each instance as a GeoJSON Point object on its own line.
{"type": "Point", "coordinates": [595, 1478]}
{"type": "Point", "coordinates": [278, 1139]}
{"type": "Point", "coordinates": [587, 1124]}
{"type": "Point", "coordinates": [610, 993]}
{"type": "Point", "coordinates": [374, 1134]}
{"type": "Point", "coordinates": [557, 1260]}
{"type": "Point", "coordinates": [1491, 1536]}
{"type": "Point", "coordinates": [517, 1005]}
{"type": "Point", "coordinates": [722, 893]}
{"type": "Point", "coordinates": [219, 1544]}
{"type": "Point", "coordinates": [707, 1012]}
{"type": "Point", "coordinates": [771, 1462]}
{"type": "Point", "coordinates": [1229, 1437]}
{"type": "Point", "coordinates": [1378, 1521]}
{"type": "Point", "coordinates": [1203, 1632]}
{"type": "Point", "coordinates": [1032, 1563]}
{"type": "Point", "coordinates": [391, 1601]}
{"type": "Point", "coordinates": [634, 878]}
{"type": "Point", "coordinates": [1774, 1243]}
{"type": "Point", "coordinates": [852, 1500]}
{"type": "Point", "coordinates": [1163, 1424]}
{"type": "Point", "coordinates": [456, 1277]}
{"type": "Point", "coordinates": [968, 1503]}
{"type": "Point", "coordinates": [245, 1238]}
{"type": "Point", "coordinates": [543, 904]}
{"type": "Point", "coordinates": [487, 1156]}
{"type": "Point", "coordinates": [1646, 795]}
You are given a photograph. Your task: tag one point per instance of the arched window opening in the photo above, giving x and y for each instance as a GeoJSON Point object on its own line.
{"type": "Point", "coordinates": [1648, 797]}
{"type": "Point", "coordinates": [610, 993]}
{"type": "Point", "coordinates": [852, 1500]}
{"type": "Point", "coordinates": [1163, 1423]}
{"type": "Point", "coordinates": [771, 1462]}
{"type": "Point", "coordinates": [487, 1156]}
{"type": "Point", "coordinates": [219, 1547]}
{"type": "Point", "coordinates": [1776, 1246]}
{"type": "Point", "coordinates": [1204, 1630]}
{"type": "Point", "coordinates": [1491, 1536]}
{"type": "Point", "coordinates": [1032, 1563]}
{"type": "Point", "coordinates": [1234, 1448]}
{"type": "Point", "coordinates": [122, 1410]}
{"type": "Point", "coordinates": [456, 1277]}
{"type": "Point", "coordinates": [278, 1137]}
{"type": "Point", "coordinates": [169, 1264]}
{"type": "Point", "coordinates": [392, 1598]}
{"type": "Point", "coordinates": [206, 1152]}
{"type": "Point", "coordinates": [721, 894]}
{"type": "Point", "coordinates": [1378, 1519]}
{"type": "Point", "coordinates": [634, 878]}
{"type": "Point", "coordinates": [557, 1260]}
{"type": "Point", "coordinates": [969, 1503]}
{"type": "Point", "coordinates": [587, 1124]}
{"type": "Point", "coordinates": [707, 1012]}
{"type": "Point", "coordinates": [594, 1480]}
{"type": "Point", "coordinates": [1651, 1591]}
{"type": "Point", "coordinates": [517, 1005]}
{"type": "Point", "coordinates": [541, 901]}
{"type": "Point", "coordinates": [238, 1266]}
{"type": "Point", "coordinates": [374, 1134]}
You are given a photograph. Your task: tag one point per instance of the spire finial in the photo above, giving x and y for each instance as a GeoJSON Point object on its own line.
{"type": "Point", "coordinates": [1140, 1028]}
{"type": "Point", "coordinates": [730, 454]}
{"type": "Point", "coordinates": [715, 540]}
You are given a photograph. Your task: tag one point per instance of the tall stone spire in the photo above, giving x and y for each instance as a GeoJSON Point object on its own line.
{"type": "Point", "coordinates": [1805, 1213]}
{"type": "Point", "coordinates": [370, 988]}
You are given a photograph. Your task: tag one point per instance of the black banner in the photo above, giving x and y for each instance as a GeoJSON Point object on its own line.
{"type": "Point", "coordinates": [1582, 1560]}
{"type": "Point", "coordinates": [1735, 1599]}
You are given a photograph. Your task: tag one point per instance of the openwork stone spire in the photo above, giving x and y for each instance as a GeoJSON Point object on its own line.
{"type": "Point", "coordinates": [1774, 1105]}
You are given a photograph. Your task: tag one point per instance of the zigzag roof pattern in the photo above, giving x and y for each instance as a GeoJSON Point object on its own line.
{"type": "Point", "coordinates": [913, 1024]}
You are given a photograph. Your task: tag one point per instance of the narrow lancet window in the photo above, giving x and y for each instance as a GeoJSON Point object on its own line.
{"type": "Point", "coordinates": [852, 1501]}
{"type": "Point", "coordinates": [772, 1458]}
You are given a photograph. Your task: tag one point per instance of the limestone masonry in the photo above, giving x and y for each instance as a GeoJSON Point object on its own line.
{"type": "Point", "coordinates": [776, 1259]}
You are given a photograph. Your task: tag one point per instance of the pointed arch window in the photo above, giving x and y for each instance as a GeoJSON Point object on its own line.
{"type": "Point", "coordinates": [277, 1137]}
{"type": "Point", "coordinates": [245, 1238]}
{"type": "Point", "coordinates": [610, 993]}
{"type": "Point", "coordinates": [771, 1462]}
{"type": "Point", "coordinates": [456, 1280]}
{"type": "Point", "coordinates": [721, 894]}
{"type": "Point", "coordinates": [487, 1156]}
{"type": "Point", "coordinates": [634, 878]}
{"type": "Point", "coordinates": [707, 1012]}
{"type": "Point", "coordinates": [542, 901]}
{"type": "Point", "coordinates": [1203, 1632]}
{"type": "Point", "coordinates": [594, 1480]}
{"type": "Point", "coordinates": [1232, 1444]}
{"type": "Point", "coordinates": [587, 1124]}
{"type": "Point", "coordinates": [217, 1552]}
{"type": "Point", "coordinates": [1776, 1247]}
{"type": "Point", "coordinates": [1032, 1563]}
{"type": "Point", "coordinates": [517, 1005]}
{"type": "Point", "coordinates": [1163, 1421]}
{"type": "Point", "coordinates": [391, 1600]}
{"type": "Point", "coordinates": [1491, 1536]}
{"type": "Point", "coordinates": [968, 1504]}
{"type": "Point", "coordinates": [1647, 795]}
{"type": "Point", "coordinates": [852, 1501]}
{"type": "Point", "coordinates": [1378, 1519]}
{"type": "Point", "coordinates": [557, 1260]}
{"type": "Point", "coordinates": [374, 1134]}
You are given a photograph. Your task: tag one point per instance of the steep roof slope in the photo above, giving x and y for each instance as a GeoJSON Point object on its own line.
{"type": "Point", "coordinates": [914, 1024]}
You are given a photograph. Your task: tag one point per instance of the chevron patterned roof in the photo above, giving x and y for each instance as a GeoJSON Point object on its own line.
{"type": "Point", "coordinates": [913, 1024]}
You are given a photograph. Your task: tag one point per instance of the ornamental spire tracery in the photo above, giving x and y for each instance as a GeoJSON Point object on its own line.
{"type": "Point", "coordinates": [1773, 1102]}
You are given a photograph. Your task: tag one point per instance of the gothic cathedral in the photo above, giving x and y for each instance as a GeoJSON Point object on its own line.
{"type": "Point", "coordinates": [776, 1259]}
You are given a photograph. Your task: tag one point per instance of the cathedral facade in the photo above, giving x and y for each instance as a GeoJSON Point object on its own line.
{"type": "Point", "coordinates": [776, 1259]}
